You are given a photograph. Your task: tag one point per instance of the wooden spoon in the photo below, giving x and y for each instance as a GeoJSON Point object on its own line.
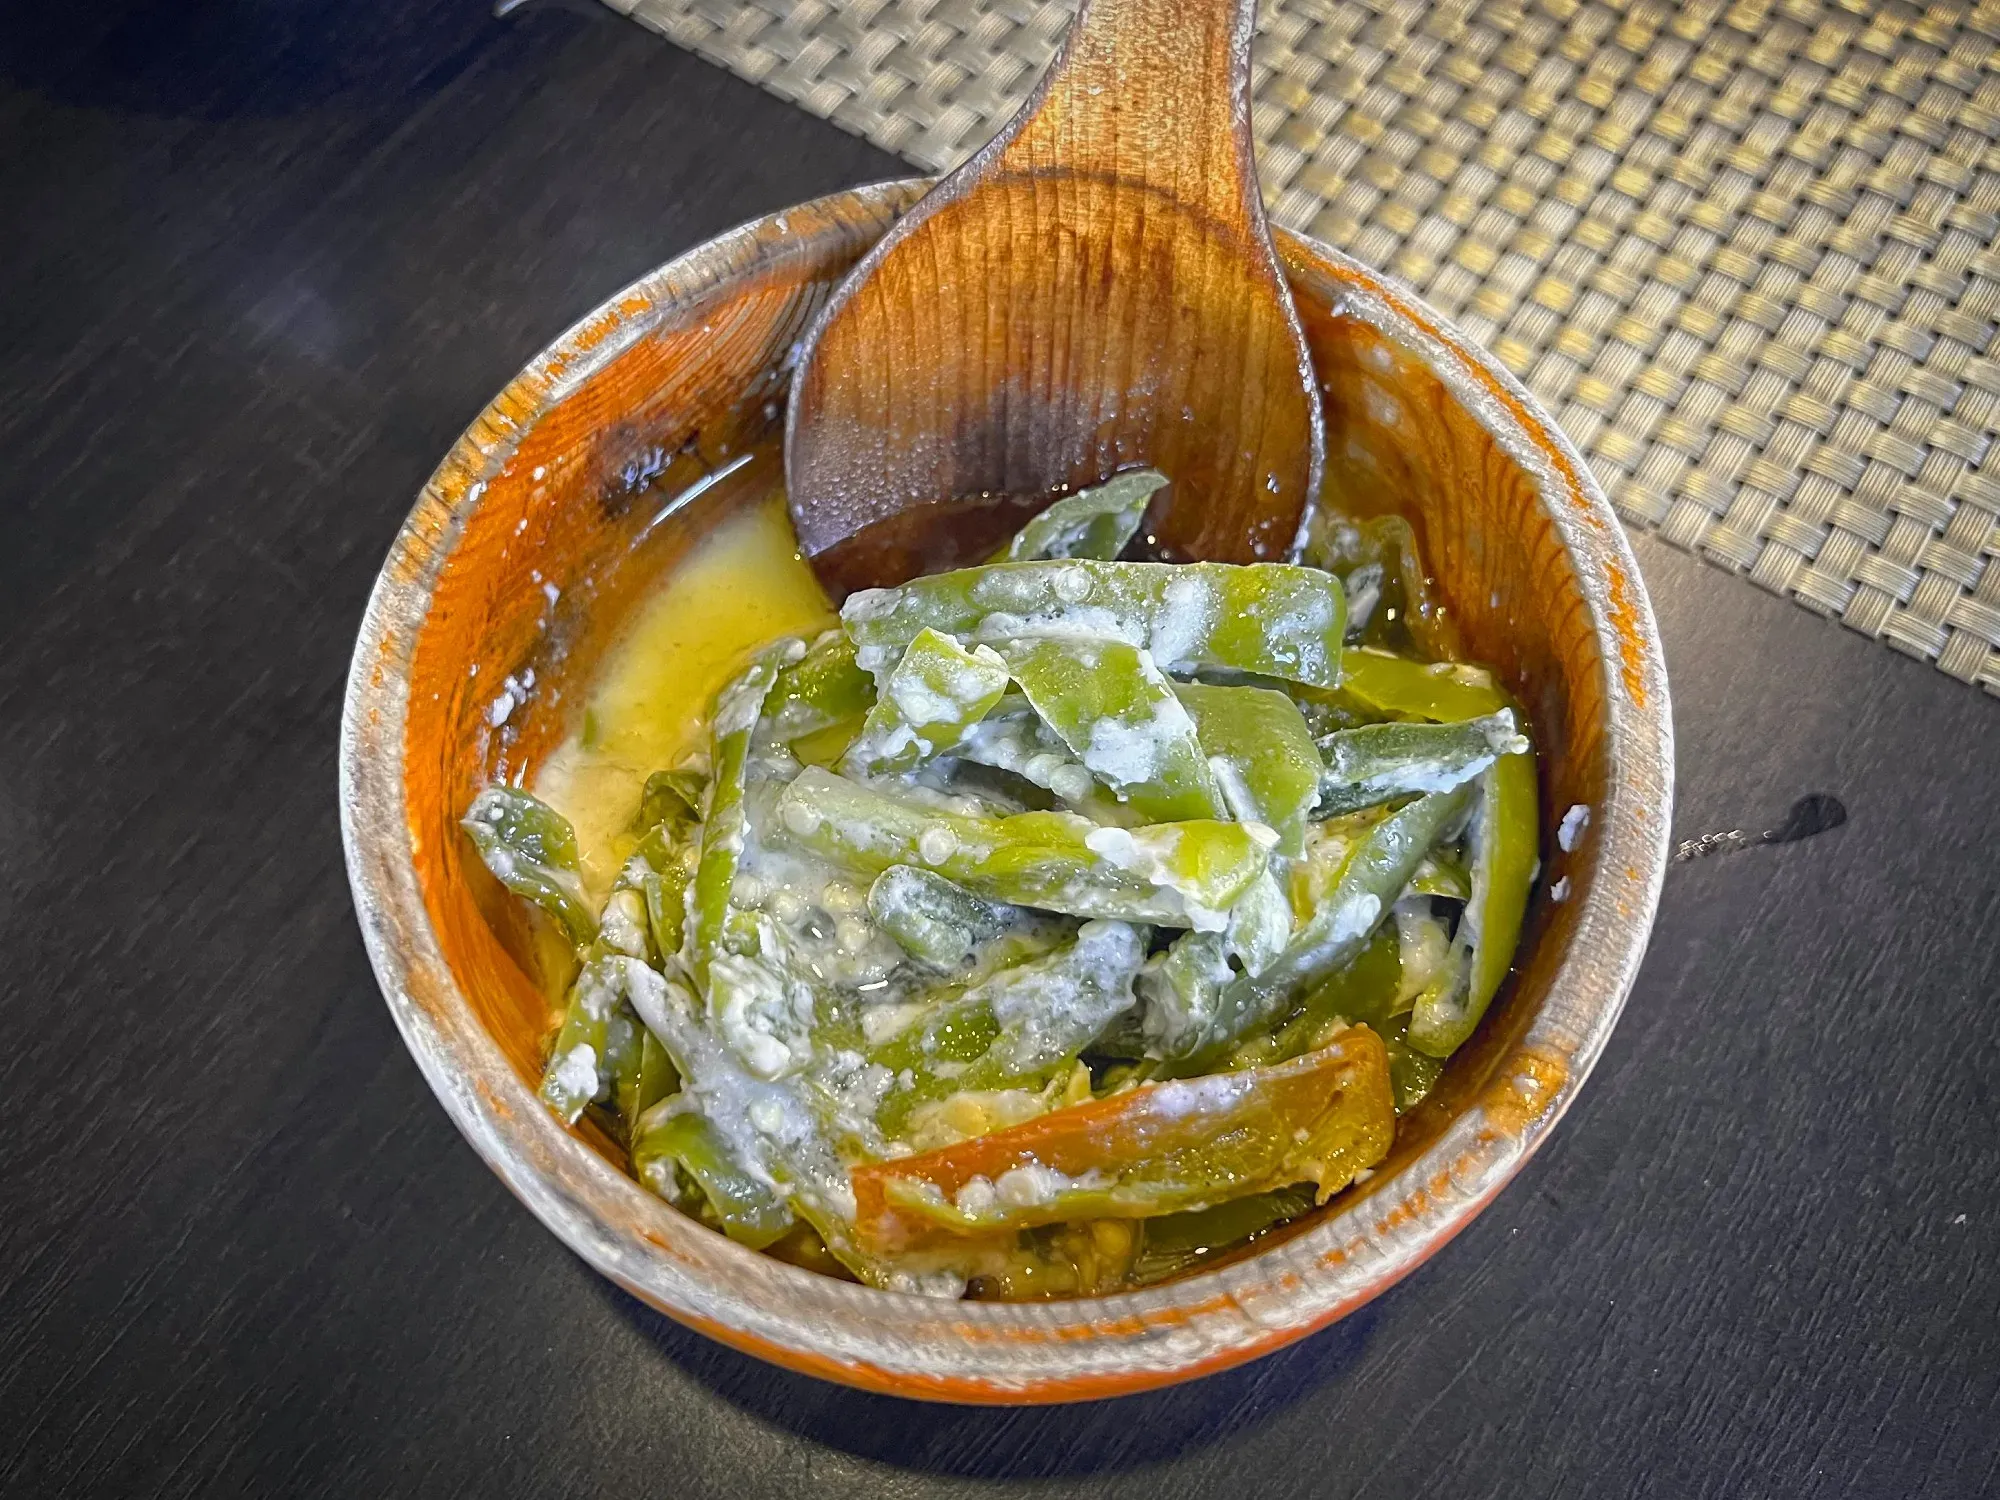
{"type": "Point", "coordinates": [1096, 289]}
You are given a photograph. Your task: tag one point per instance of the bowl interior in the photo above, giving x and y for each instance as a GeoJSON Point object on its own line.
{"type": "Point", "coordinates": [609, 458]}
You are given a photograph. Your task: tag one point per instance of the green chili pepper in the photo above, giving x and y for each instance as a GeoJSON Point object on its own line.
{"type": "Point", "coordinates": [1095, 523]}
{"type": "Point", "coordinates": [1271, 618]}
{"type": "Point", "coordinates": [1412, 1074]}
{"type": "Point", "coordinates": [670, 797]}
{"type": "Point", "coordinates": [1013, 738]}
{"type": "Point", "coordinates": [1016, 1029]}
{"type": "Point", "coordinates": [673, 1134]}
{"type": "Point", "coordinates": [1328, 710]}
{"type": "Point", "coordinates": [1361, 991]}
{"type": "Point", "coordinates": [938, 691]}
{"type": "Point", "coordinates": [1118, 715]}
{"type": "Point", "coordinates": [598, 1043]}
{"type": "Point", "coordinates": [1504, 836]}
{"type": "Point", "coordinates": [658, 873]}
{"type": "Point", "coordinates": [623, 926]}
{"type": "Point", "coordinates": [756, 1009]}
{"type": "Point", "coordinates": [1504, 839]}
{"type": "Point", "coordinates": [531, 850]}
{"type": "Point", "coordinates": [738, 707]}
{"type": "Point", "coordinates": [580, 1065]}
{"type": "Point", "coordinates": [666, 907]}
{"type": "Point", "coordinates": [1175, 874]}
{"type": "Point", "coordinates": [823, 688]}
{"type": "Point", "coordinates": [1381, 762]}
{"type": "Point", "coordinates": [934, 920]}
{"type": "Point", "coordinates": [1377, 869]}
{"type": "Point", "coordinates": [1270, 770]}
{"type": "Point", "coordinates": [1176, 1243]}
{"type": "Point", "coordinates": [1183, 987]}
{"type": "Point", "coordinates": [767, 1130]}
{"type": "Point", "coordinates": [646, 1078]}
{"type": "Point", "coordinates": [654, 850]}
{"type": "Point", "coordinates": [1423, 945]}
{"type": "Point", "coordinates": [1443, 692]}
{"type": "Point", "coordinates": [1440, 874]}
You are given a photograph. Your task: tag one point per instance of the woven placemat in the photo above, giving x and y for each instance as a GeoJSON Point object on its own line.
{"type": "Point", "coordinates": [1744, 252]}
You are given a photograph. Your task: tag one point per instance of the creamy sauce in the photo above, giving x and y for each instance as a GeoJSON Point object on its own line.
{"type": "Point", "coordinates": [741, 587]}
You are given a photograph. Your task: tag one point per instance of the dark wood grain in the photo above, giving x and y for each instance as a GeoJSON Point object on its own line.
{"type": "Point", "coordinates": [245, 304]}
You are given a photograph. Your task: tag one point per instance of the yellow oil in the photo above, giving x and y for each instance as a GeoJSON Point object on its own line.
{"type": "Point", "coordinates": [742, 586]}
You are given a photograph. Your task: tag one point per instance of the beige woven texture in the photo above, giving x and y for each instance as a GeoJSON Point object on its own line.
{"type": "Point", "coordinates": [1745, 253]}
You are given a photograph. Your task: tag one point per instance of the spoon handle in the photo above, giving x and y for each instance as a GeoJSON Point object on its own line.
{"type": "Point", "coordinates": [1149, 93]}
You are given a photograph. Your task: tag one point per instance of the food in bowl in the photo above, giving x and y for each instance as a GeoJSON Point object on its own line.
{"type": "Point", "coordinates": [1044, 928]}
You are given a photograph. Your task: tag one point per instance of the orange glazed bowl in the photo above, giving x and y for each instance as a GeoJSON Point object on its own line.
{"type": "Point", "coordinates": [594, 472]}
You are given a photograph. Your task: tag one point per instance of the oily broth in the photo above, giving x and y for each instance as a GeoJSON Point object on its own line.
{"type": "Point", "coordinates": [742, 586]}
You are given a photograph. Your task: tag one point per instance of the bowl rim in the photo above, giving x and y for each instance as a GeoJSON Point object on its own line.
{"type": "Point", "coordinates": [998, 1352]}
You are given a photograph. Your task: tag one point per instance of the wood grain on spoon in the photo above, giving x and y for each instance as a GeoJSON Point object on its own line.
{"type": "Point", "coordinates": [1095, 289]}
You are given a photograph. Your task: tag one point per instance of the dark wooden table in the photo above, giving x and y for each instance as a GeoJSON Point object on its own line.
{"type": "Point", "coordinates": [258, 266]}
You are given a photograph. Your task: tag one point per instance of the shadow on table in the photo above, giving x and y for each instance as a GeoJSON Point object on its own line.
{"type": "Point", "coordinates": [1020, 1442]}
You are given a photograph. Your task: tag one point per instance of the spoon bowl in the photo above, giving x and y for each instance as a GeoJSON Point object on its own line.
{"type": "Point", "coordinates": [1094, 290]}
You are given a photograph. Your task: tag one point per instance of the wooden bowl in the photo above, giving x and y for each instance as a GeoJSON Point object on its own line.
{"type": "Point", "coordinates": [587, 477]}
